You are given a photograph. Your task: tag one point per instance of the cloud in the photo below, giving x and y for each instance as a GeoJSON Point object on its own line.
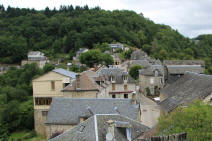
{"type": "Point", "coordinates": [189, 17]}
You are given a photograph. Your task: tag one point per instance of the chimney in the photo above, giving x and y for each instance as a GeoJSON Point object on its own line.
{"type": "Point", "coordinates": [90, 111]}
{"type": "Point", "coordinates": [116, 109]}
{"type": "Point", "coordinates": [134, 98]}
{"type": "Point", "coordinates": [77, 81]}
{"type": "Point", "coordinates": [110, 136]}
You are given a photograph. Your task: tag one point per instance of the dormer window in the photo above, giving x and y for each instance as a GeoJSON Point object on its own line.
{"type": "Point", "coordinates": [125, 77]}
{"type": "Point", "coordinates": [112, 78]}
{"type": "Point", "coordinates": [156, 73]}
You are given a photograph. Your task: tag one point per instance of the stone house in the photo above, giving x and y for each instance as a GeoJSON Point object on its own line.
{"type": "Point", "coordinates": [104, 127]}
{"type": "Point", "coordinates": [35, 57]}
{"type": "Point", "coordinates": [45, 88]}
{"type": "Point", "coordinates": [86, 85]}
{"type": "Point", "coordinates": [66, 113]}
{"type": "Point", "coordinates": [119, 83]}
{"type": "Point", "coordinates": [191, 86]}
{"type": "Point", "coordinates": [116, 47]}
{"type": "Point", "coordinates": [151, 79]}
{"type": "Point", "coordinates": [78, 53]}
{"type": "Point", "coordinates": [174, 69]}
{"type": "Point", "coordinates": [117, 60]}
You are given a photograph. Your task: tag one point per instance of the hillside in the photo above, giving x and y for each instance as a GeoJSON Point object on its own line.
{"type": "Point", "coordinates": [68, 29]}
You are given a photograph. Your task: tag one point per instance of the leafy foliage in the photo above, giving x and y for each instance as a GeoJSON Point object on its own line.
{"type": "Point", "coordinates": [70, 28]}
{"type": "Point", "coordinates": [195, 121]}
{"type": "Point", "coordinates": [134, 71]}
{"type": "Point", "coordinates": [95, 57]}
{"type": "Point", "coordinates": [16, 102]}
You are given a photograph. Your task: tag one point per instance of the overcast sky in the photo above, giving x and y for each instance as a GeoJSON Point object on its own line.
{"type": "Point", "coordinates": [189, 17]}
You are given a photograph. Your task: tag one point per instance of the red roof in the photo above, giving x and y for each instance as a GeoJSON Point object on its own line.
{"type": "Point", "coordinates": [120, 92]}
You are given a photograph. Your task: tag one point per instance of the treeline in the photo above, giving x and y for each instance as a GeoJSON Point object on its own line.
{"type": "Point", "coordinates": [69, 28]}
{"type": "Point", "coordinates": [16, 102]}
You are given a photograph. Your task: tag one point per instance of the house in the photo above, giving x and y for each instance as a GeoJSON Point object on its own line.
{"type": "Point", "coordinates": [5, 67]}
{"type": "Point", "coordinates": [86, 85]}
{"type": "Point", "coordinates": [116, 47]}
{"type": "Point", "coordinates": [35, 57]}
{"type": "Point", "coordinates": [151, 79]}
{"type": "Point", "coordinates": [104, 127]}
{"type": "Point", "coordinates": [78, 53]}
{"type": "Point", "coordinates": [117, 60]}
{"type": "Point", "coordinates": [174, 69]}
{"type": "Point", "coordinates": [191, 86]}
{"type": "Point", "coordinates": [121, 85]}
{"type": "Point", "coordinates": [45, 88]}
{"type": "Point", "coordinates": [67, 113]}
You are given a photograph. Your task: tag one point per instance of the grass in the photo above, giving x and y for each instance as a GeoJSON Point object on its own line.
{"type": "Point", "coordinates": [25, 136]}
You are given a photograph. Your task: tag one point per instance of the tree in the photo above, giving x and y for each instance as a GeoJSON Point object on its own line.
{"type": "Point", "coordinates": [195, 121]}
{"type": "Point", "coordinates": [134, 71]}
{"type": "Point", "coordinates": [95, 56]}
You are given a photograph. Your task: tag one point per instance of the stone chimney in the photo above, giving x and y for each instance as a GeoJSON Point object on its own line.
{"type": "Point", "coordinates": [78, 82]}
{"type": "Point", "coordinates": [110, 136]}
{"type": "Point", "coordinates": [134, 98]}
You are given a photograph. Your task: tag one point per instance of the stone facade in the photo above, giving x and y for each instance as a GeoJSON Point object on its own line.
{"type": "Point", "coordinates": [44, 89]}
{"type": "Point", "coordinates": [51, 129]}
{"type": "Point", "coordinates": [152, 83]}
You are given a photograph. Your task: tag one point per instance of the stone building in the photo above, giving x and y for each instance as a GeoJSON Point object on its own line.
{"type": "Point", "coordinates": [174, 69]}
{"type": "Point", "coordinates": [45, 88]}
{"type": "Point", "coordinates": [104, 127]}
{"type": "Point", "coordinates": [151, 79]}
{"type": "Point", "coordinates": [86, 85]}
{"type": "Point", "coordinates": [116, 47]}
{"type": "Point", "coordinates": [67, 113]}
{"type": "Point", "coordinates": [119, 83]}
{"type": "Point", "coordinates": [35, 57]}
{"type": "Point", "coordinates": [78, 53]}
{"type": "Point", "coordinates": [191, 86]}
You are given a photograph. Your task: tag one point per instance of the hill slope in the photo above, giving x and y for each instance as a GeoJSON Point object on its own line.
{"type": "Point", "coordinates": [68, 29]}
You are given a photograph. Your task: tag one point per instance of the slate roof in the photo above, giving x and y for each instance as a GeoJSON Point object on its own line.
{"type": "Point", "coordinates": [95, 129]}
{"type": "Point", "coordinates": [184, 62]}
{"type": "Point", "coordinates": [69, 110]}
{"type": "Point", "coordinates": [117, 73]}
{"type": "Point", "coordinates": [143, 63]}
{"type": "Point", "coordinates": [118, 45]}
{"type": "Point", "coordinates": [189, 87]}
{"type": "Point", "coordinates": [65, 72]}
{"type": "Point", "coordinates": [150, 71]}
{"type": "Point", "coordinates": [87, 83]}
{"type": "Point", "coordinates": [181, 66]}
{"type": "Point", "coordinates": [138, 55]}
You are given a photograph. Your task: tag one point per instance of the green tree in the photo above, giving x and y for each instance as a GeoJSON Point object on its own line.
{"type": "Point", "coordinates": [134, 71]}
{"type": "Point", "coordinates": [195, 121]}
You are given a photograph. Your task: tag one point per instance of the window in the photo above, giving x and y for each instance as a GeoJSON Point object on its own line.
{"type": "Point", "coordinates": [113, 86]}
{"type": "Point", "coordinates": [151, 81]}
{"type": "Point", "coordinates": [113, 96]}
{"type": "Point", "coordinates": [81, 128]}
{"type": "Point", "coordinates": [161, 81]}
{"type": "Point", "coordinates": [52, 85]}
{"type": "Point", "coordinates": [125, 95]}
{"type": "Point", "coordinates": [43, 100]}
{"type": "Point", "coordinates": [125, 87]}
{"type": "Point", "coordinates": [112, 78]}
{"type": "Point", "coordinates": [65, 84]}
{"type": "Point", "coordinates": [156, 73]}
{"type": "Point", "coordinates": [44, 113]}
{"type": "Point", "coordinates": [125, 77]}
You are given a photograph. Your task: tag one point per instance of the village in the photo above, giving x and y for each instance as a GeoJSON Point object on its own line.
{"type": "Point", "coordinates": [107, 103]}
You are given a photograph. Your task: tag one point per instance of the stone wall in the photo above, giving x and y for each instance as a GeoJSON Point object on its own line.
{"type": "Point", "coordinates": [39, 120]}
{"type": "Point", "coordinates": [52, 129]}
{"type": "Point", "coordinates": [174, 137]}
